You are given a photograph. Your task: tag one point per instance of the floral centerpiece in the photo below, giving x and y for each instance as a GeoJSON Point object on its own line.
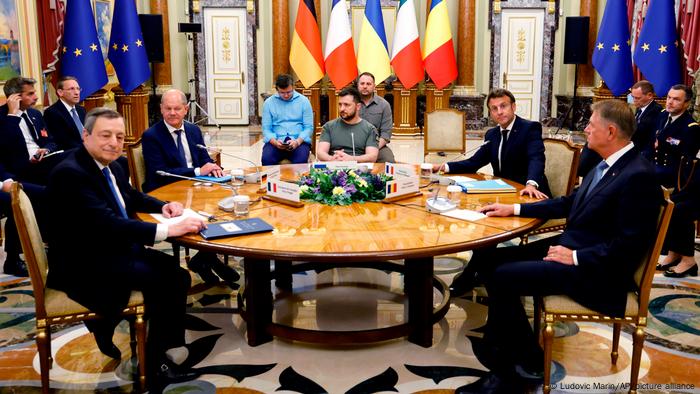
{"type": "Point", "coordinates": [342, 187]}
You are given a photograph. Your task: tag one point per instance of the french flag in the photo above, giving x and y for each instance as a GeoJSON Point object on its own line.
{"type": "Point", "coordinates": [341, 63]}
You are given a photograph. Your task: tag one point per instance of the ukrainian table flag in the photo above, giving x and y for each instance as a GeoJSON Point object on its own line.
{"type": "Point", "coordinates": [373, 52]}
{"type": "Point", "coordinates": [306, 55]}
{"type": "Point", "coordinates": [81, 53]}
{"type": "Point", "coordinates": [127, 51]}
{"type": "Point", "coordinates": [657, 54]}
{"type": "Point", "coordinates": [438, 51]}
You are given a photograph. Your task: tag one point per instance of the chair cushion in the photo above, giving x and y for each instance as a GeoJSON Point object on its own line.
{"type": "Point", "coordinates": [549, 225]}
{"type": "Point", "coordinates": [564, 305]}
{"type": "Point", "coordinates": [59, 304]}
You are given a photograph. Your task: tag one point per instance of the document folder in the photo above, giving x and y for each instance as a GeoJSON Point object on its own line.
{"type": "Point", "coordinates": [234, 228]}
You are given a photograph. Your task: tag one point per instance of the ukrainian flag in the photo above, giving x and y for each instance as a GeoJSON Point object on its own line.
{"type": "Point", "coordinates": [373, 52]}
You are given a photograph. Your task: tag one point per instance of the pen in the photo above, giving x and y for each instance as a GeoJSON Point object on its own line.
{"type": "Point", "coordinates": [207, 215]}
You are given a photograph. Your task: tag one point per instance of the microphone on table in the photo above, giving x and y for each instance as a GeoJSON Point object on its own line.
{"type": "Point", "coordinates": [352, 136]}
{"type": "Point", "coordinates": [437, 176]}
{"type": "Point", "coordinates": [225, 204]}
{"type": "Point", "coordinates": [257, 170]}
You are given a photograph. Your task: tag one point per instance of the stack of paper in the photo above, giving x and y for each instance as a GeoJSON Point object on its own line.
{"type": "Point", "coordinates": [489, 186]}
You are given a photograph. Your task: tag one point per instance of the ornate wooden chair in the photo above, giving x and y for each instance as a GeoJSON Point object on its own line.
{"type": "Point", "coordinates": [562, 308]}
{"type": "Point", "coordinates": [560, 167]}
{"type": "Point", "coordinates": [444, 135]}
{"type": "Point", "coordinates": [54, 306]}
{"type": "Point", "coordinates": [137, 166]}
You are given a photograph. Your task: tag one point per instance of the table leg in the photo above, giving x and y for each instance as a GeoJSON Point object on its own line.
{"type": "Point", "coordinates": [283, 274]}
{"type": "Point", "coordinates": [258, 300]}
{"type": "Point", "coordinates": [418, 288]}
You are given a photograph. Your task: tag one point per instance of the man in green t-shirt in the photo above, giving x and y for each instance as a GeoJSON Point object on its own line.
{"type": "Point", "coordinates": [349, 137]}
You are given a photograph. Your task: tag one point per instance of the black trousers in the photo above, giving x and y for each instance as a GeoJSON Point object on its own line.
{"type": "Point", "coordinates": [680, 236]}
{"type": "Point", "coordinates": [36, 195]}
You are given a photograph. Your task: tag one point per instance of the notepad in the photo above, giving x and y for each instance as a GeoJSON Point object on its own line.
{"type": "Point", "coordinates": [488, 186]}
{"type": "Point", "coordinates": [186, 213]}
{"type": "Point", "coordinates": [464, 214]}
{"type": "Point", "coordinates": [220, 179]}
{"type": "Point", "coordinates": [234, 228]}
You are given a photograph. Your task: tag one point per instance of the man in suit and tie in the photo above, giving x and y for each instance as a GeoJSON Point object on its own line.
{"type": "Point", "coordinates": [611, 219]}
{"type": "Point", "coordinates": [514, 148]}
{"type": "Point", "coordinates": [646, 116]}
{"type": "Point", "coordinates": [96, 247]}
{"type": "Point", "coordinates": [65, 118]}
{"type": "Point", "coordinates": [171, 146]}
{"type": "Point", "coordinates": [24, 139]}
{"type": "Point", "coordinates": [678, 136]}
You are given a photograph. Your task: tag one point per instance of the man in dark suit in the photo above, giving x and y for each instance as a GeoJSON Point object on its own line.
{"type": "Point", "coordinates": [646, 116]}
{"type": "Point", "coordinates": [24, 140]}
{"type": "Point", "coordinates": [678, 136]}
{"type": "Point", "coordinates": [171, 146]}
{"type": "Point", "coordinates": [611, 219]}
{"type": "Point", "coordinates": [65, 118]}
{"type": "Point", "coordinates": [514, 148]}
{"type": "Point", "coordinates": [96, 248]}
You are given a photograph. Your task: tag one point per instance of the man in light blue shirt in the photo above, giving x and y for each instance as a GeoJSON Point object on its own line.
{"type": "Point", "coordinates": [287, 124]}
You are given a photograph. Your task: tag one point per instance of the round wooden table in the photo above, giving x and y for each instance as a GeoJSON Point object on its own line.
{"type": "Point", "coordinates": [359, 235]}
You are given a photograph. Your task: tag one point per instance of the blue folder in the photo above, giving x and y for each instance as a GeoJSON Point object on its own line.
{"type": "Point", "coordinates": [221, 179]}
{"type": "Point", "coordinates": [234, 228]}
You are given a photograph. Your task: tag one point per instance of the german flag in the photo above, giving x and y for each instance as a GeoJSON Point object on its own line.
{"type": "Point", "coordinates": [306, 55]}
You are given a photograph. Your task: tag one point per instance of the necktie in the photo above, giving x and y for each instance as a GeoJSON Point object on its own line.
{"type": "Point", "coordinates": [180, 148]}
{"type": "Point", "coordinates": [30, 126]}
{"type": "Point", "coordinates": [668, 122]}
{"type": "Point", "coordinates": [597, 176]}
{"type": "Point", "coordinates": [107, 175]}
{"type": "Point", "coordinates": [638, 115]}
{"type": "Point", "coordinates": [504, 140]}
{"type": "Point", "coordinates": [76, 120]}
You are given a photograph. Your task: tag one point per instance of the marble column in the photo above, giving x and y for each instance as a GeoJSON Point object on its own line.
{"type": "Point", "coordinates": [134, 108]}
{"type": "Point", "coordinates": [162, 71]}
{"type": "Point", "coordinates": [280, 36]}
{"type": "Point", "coordinates": [466, 28]}
{"type": "Point", "coordinates": [586, 72]}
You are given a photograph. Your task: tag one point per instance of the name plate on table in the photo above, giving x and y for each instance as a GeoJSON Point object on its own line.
{"type": "Point", "coordinates": [400, 170]}
{"type": "Point", "coordinates": [402, 188]}
{"type": "Point", "coordinates": [283, 192]}
{"type": "Point", "coordinates": [488, 186]}
{"type": "Point", "coordinates": [271, 172]}
{"type": "Point", "coordinates": [335, 165]}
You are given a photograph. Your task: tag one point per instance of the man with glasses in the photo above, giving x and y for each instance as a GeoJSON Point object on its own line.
{"type": "Point", "coordinates": [646, 116]}
{"type": "Point", "coordinates": [65, 118]}
{"type": "Point", "coordinates": [287, 124]}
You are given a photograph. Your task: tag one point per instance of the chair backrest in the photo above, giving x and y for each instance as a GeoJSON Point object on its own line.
{"type": "Point", "coordinates": [137, 166]}
{"type": "Point", "coordinates": [32, 244]}
{"type": "Point", "coordinates": [444, 131]}
{"type": "Point", "coordinates": [644, 274]}
{"type": "Point", "coordinates": [561, 164]}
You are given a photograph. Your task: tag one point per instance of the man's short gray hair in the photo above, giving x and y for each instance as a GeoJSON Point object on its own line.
{"type": "Point", "coordinates": [99, 112]}
{"type": "Point", "coordinates": [16, 85]}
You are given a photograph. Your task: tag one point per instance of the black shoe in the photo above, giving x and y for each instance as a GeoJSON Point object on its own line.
{"type": "Point", "coordinates": [15, 266]}
{"type": "Point", "coordinates": [664, 267]}
{"type": "Point", "coordinates": [692, 271]}
{"type": "Point", "coordinates": [226, 273]}
{"type": "Point", "coordinates": [106, 346]}
{"type": "Point", "coordinates": [201, 264]}
{"type": "Point", "coordinates": [168, 372]}
{"type": "Point", "coordinates": [493, 383]}
{"type": "Point", "coordinates": [463, 283]}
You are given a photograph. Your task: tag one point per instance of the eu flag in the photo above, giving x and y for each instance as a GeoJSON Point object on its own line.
{"type": "Point", "coordinates": [127, 51]}
{"type": "Point", "coordinates": [612, 57]}
{"type": "Point", "coordinates": [81, 55]}
{"type": "Point", "coordinates": [656, 53]}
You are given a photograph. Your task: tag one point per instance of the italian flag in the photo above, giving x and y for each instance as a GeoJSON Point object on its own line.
{"type": "Point", "coordinates": [406, 55]}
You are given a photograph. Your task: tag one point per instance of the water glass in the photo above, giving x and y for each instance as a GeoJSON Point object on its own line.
{"type": "Point", "coordinates": [241, 205]}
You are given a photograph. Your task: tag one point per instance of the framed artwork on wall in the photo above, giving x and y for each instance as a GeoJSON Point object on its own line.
{"type": "Point", "coordinates": [10, 45]}
{"type": "Point", "coordinates": [103, 17]}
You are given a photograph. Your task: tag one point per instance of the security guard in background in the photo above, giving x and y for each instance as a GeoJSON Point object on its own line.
{"type": "Point", "coordinates": [677, 138]}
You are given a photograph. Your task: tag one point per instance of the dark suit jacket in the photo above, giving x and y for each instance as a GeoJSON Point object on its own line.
{"type": "Point", "coordinates": [91, 245]}
{"type": "Point", "coordinates": [647, 125]}
{"type": "Point", "coordinates": [61, 126]}
{"type": "Point", "coordinates": [607, 228]}
{"type": "Point", "coordinates": [14, 155]}
{"type": "Point", "coordinates": [160, 154]}
{"type": "Point", "coordinates": [523, 158]}
{"type": "Point", "coordinates": [678, 145]}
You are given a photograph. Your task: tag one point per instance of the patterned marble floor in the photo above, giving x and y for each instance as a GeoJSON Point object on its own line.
{"type": "Point", "coordinates": [216, 336]}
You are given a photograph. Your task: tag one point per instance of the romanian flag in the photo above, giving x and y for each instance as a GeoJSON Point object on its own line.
{"type": "Point", "coordinates": [438, 52]}
{"type": "Point", "coordinates": [341, 64]}
{"type": "Point", "coordinates": [373, 52]}
{"type": "Point", "coordinates": [406, 56]}
{"type": "Point", "coordinates": [306, 55]}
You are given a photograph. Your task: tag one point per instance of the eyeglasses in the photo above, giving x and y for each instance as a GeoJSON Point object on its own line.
{"type": "Point", "coordinates": [76, 89]}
